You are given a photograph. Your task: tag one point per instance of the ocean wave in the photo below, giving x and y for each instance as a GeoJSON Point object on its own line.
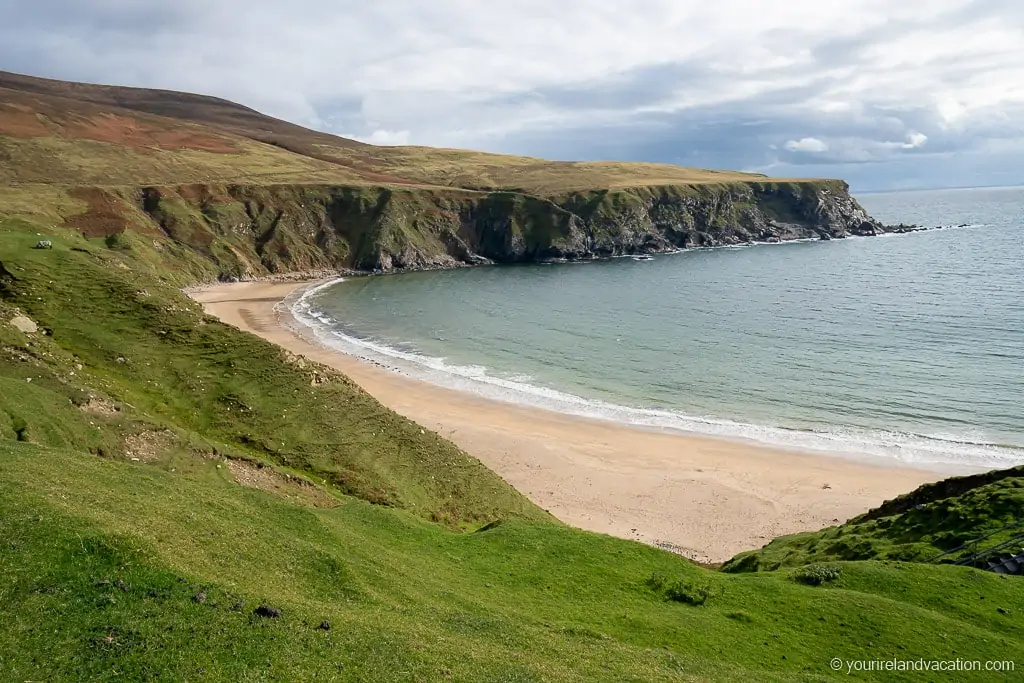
{"type": "Point", "coordinates": [955, 452]}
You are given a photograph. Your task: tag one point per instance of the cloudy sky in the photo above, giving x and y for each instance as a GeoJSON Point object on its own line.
{"type": "Point", "coordinates": [884, 93]}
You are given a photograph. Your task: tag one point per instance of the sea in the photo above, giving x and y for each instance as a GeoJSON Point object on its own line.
{"type": "Point", "coordinates": [905, 349]}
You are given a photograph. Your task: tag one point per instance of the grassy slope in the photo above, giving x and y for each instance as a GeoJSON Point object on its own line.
{"type": "Point", "coordinates": [143, 346]}
{"type": "Point", "coordinates": [104, 560]}
{"type": "Point", "coordinates": [57, 132]}
{"type": "Point", "coordinates": [918, 526]}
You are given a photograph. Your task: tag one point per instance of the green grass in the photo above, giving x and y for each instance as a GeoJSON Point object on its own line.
{"type": "Point", "coordinates": [54, 132]}
{"type": "Point", "coordinates": [104, 559]}
{"type": "Point", "coordinates": [934, 519]}
{"type": "Point", "coordinates": [122, 331]}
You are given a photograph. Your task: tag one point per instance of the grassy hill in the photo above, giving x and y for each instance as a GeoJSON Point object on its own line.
{"type": "Point", "coordinates": [931, 521]}
{"type": "Point", "coordinates": [74, 133]}
{"type": "Point", "coordinates": [183, 501]}
{"type": "Point", "coordinates": [255, 195]}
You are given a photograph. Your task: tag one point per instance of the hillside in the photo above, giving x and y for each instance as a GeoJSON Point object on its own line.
{"type": "Point", "coordinates": [74, 133]}
{"type": "Point", "coordinates": [938, 521]}
{"type": "Point", "coordinates": [183, 501]}
{"type": "Point", "coordinates": [256, 196]}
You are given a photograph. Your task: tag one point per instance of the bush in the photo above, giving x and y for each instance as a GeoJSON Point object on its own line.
{"type": "Point", "coordinates": [681, 590]}
{"type": "Point", "coordinates": [117, 240]}
{"type": "Point", "coordinates": [657, 581]}
{"type": "Point", "coordinates": [689, 592]}
{"type": "Point", "coordinates": [818, 574]}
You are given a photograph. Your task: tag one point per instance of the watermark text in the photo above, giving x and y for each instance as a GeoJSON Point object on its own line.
{"type": "Point", "coordinates": [851, 666]}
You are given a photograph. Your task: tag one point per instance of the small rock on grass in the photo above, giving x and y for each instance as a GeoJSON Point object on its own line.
{"type": "Point", "coordinates": [324, 625]}
{"type": "Point", "coordinates": [267, 612]}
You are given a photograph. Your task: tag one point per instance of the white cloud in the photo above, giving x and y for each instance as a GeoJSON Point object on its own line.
{"type": "Point", "coordinates": [915, 140]}
{"type": "Point", "coordinates": [810, 145]}
{"type": "Point", "coordinates": [383, 137]}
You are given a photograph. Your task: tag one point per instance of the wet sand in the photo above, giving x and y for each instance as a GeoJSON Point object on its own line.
{"type": "Point", "coordinates": [704, 497]}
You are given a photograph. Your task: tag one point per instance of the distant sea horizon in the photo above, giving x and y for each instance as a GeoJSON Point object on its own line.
{"type": "Point", "coordinates": [905, 349]}
{"type": "Point", "coordinates": [857, 192]}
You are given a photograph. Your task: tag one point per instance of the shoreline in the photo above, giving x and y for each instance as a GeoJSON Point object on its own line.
{"type": "Point", "coordinates": [706, 497]}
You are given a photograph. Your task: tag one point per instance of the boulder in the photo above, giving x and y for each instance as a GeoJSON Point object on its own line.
{"type": "Point", "coordinates": [267, 612]}
{"type": "Point", "coordinates": [24, 324]}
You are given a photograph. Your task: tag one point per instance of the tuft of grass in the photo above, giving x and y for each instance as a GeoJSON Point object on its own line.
{"type": "Point", "coordinates": [694, 593]}
{"type": "Point", "coordinates": [818, 574]}
{"type": "Point", "coordinates": [687, 590]}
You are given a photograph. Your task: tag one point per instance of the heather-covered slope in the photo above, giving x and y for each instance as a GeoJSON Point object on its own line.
{"type": "Point", "coordinates": [76, 133]}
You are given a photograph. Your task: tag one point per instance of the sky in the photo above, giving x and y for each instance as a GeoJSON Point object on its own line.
{"type": "Point", "coordinates": [886, 94]}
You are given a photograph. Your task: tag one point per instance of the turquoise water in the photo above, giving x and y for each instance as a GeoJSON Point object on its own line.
{"type": "Point", "coordinates": [907, 347]}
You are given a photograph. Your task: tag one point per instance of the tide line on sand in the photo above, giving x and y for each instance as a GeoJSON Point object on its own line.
{"type": "Point", "coordinates": [947, 452]}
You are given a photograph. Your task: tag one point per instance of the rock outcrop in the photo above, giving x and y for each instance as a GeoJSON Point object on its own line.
{"type": "Point", "coordinates": [252, 231]}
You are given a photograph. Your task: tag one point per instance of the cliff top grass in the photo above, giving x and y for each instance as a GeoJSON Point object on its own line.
{"type": "Point", "coordinates": [55, 132]}
{"type": "Point", "coordinates": [935, 520]}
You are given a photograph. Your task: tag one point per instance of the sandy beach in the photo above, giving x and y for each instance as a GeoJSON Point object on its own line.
{"type": "Point", "coordinates": [704, 497]}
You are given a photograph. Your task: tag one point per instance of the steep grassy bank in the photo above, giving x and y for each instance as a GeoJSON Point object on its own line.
{"type": "Point", "coordinates": [115, 569]}
{"type": "Point", "coordinates": [921, 525]}
{"type": "Point", "coordinates": [121, 356]}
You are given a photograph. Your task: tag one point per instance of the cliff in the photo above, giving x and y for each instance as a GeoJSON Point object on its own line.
{"type": "Point", "coordinates": [247, 195]}
{"type": "Point", "coordinates": [246, 231]}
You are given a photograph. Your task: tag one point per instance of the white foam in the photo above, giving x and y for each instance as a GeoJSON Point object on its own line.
{"type": "Point", "coordinates": [947, 451]}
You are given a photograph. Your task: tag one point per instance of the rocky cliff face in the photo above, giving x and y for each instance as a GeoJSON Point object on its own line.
{"type": "Point", "coordinates": [251, 231]}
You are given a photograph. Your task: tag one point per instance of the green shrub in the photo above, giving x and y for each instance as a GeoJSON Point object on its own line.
{"type": "Point", "coordinates": [20, 428]}
{"type": "Point", "coordinates": [79, 397]}
{"type": "Point", "coordinates": [818, 574]}
{"type": "Point", "coordinates": [657, 581]}
{"type": "Point", "coordinates": [689, 592]}
{"type": "Point", "coordinates": [117, 241]}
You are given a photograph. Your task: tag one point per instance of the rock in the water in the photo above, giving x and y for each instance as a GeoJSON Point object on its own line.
{"type": "Point", "coordinates": [267, 612]}
{"type": "Point", "coordinates": [867, 229]}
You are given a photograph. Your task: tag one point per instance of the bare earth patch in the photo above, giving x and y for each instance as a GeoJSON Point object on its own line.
{"type": "Point", "coordinates": [99, 406]}
{"type": "Point", "coordinates": [149, 445]}
{"type": "Point", "coordinates": [271, 481]}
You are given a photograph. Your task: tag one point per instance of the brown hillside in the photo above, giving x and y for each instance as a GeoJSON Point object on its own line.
{"type": "Point", "coordinates": [74, 133]}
